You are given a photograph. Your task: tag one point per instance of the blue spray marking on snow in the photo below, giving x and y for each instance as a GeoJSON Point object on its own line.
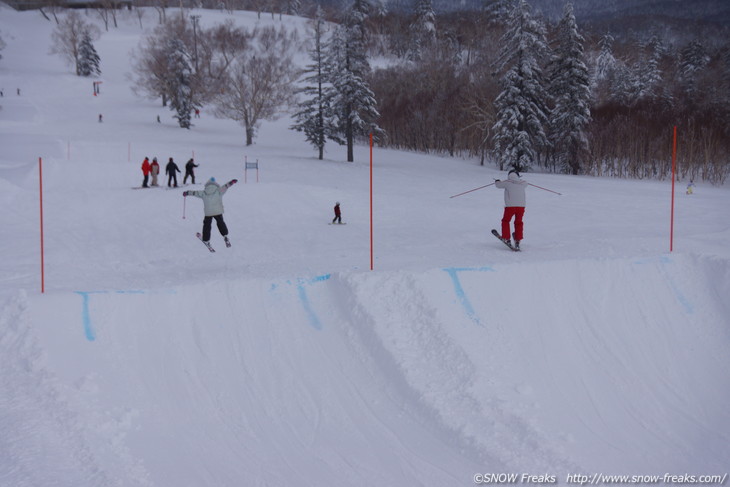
{"type": "Point", "coordinates": [459, 289]}
{"type": "Point", "coordinates": [86, 314]}
{"type": "Point", "coordinates": [302, 292]}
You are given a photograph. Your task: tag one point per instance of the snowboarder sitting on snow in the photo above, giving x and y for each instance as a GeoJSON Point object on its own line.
{"type": "Point", "coordinates": [338, 213]}
{"type": "Point", "coordinates": [514, 205]}
{"type": "Point", "coordinates": [189, 171]}
{"type": "Point", "coordinates": [212, 196]}
{"type": "Point", "coordinates": [171, 170]}
{"type": "Point", "coordinates": [690, 187]}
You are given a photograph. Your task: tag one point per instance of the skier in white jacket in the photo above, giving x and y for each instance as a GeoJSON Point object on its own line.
{"type": "Point", "coordinates": [514, 205]}
{"type": "Point", "coordinates": [212, 196]}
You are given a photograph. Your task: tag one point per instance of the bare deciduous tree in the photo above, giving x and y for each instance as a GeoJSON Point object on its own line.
{"type": "Point", "coordinates": [217, 49]}
{"type": "Point", "coordinates": [150, 62]}
{"type": "Point", "coordinates": [260, 82]}
{"type": "Point", "coordinates": [69, 34]}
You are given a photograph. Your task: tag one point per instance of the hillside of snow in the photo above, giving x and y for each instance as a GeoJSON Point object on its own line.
{"type": "Point", "coordinates": [285, 360]}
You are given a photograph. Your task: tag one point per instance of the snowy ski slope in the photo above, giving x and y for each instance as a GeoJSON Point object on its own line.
{"type": "Point", "coordinates": [284, 360]}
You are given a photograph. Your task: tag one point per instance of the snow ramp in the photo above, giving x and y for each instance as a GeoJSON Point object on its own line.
{"type": "Point", "coordinates": [613, 366]}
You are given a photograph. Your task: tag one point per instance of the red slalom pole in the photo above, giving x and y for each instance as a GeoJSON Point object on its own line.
{"type": "Point", "coordinates": [545, 189]}
{"type": "Point", "coordinates": [371, 202]}
{"type": "Point", "coordinates": [674, 170]}
{"type": "Point", "coordinates": [40, 181]}
{"type": "Point", "coordinates": [471, 190]}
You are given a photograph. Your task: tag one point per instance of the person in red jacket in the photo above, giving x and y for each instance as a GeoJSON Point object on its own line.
{"type": "Point", "coordinates": [146, 168]}
{"type": "Point", "coordinates": [338, 213]}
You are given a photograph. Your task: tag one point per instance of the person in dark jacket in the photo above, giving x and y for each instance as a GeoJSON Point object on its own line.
{"type": "Point", "coordinates": [338, 213]}
{"type": "Point", "coordinates": [190, 171]}
{"type": "Point", "coordinates": [171, 170]}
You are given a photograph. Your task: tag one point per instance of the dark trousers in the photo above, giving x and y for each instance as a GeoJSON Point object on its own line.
{"type": "Point", "coordinates": [192, 177]}
{"type": "Point", "coordinates": [219, 221]}
{"type": "Point", "coordinates": [172, 178]}
{"type": "Point", "coordinates": [144, 183]}
{"type": "Point", "coordinates": [337, 219]}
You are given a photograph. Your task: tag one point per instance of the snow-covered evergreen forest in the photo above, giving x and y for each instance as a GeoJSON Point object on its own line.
{"type": "Point", "coordinates": [501, 81]}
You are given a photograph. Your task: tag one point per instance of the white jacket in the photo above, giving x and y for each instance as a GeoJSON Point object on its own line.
{"type": "Point", "coordinates": [212, 196]}
{"type": "Point", "coordinates": [514, 190]}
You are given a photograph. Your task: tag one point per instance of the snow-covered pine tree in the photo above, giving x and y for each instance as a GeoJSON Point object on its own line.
{"type": "Point", "coordinates": [647, 82]}
{"type": "Point", "coordinates": [356, 21]}
{"type": "Point", "coordinates": [312, 115]}
{"type": "Point", "coordinates": [179, 82]}
{"type": "Point", "coordinates": [693, 58]}
{"type": "Point", "coordinates": [422, 29]}
{"type": "Point", "coordinates": [352, 102]}
{"type": "Point", "coordinates": [88, 57]}
{"type": "Point", "coordinates": [605, 61]}
{"type": "Point", "coordinates": [570, 92]}
{"type": "Point", "coordinates": [522, 108]}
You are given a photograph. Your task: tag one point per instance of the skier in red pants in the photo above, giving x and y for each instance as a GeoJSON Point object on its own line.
{"type": "Point", "coordinates": [514, 205]}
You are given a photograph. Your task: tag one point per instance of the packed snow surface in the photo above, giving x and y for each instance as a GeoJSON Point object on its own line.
{"type": "Point", "coordinates": [286, 360]}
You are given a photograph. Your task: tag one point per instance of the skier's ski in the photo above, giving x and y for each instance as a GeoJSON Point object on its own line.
{"type": "Point", "coordinates": [342, 223]}
{"type": "Point", "coordinates": [207, 244]}
{"type": "Point", "coordinates": [506, 242]}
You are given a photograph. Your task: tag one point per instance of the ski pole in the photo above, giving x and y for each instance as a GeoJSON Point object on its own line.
{"type": "Point", "coordinates": [184, 200]}
{"type": "Point", "coordinates": [465, 192]}
{"type": "Point", "coordinates": [545, 189]}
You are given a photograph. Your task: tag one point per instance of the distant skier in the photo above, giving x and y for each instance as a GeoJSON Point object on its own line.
{"type": "Point", "coordinates": [190, 171]}
{"type": "Point", "coordinates": [691, 187]}
{"type": "Point", "coordinates": [212, 196]}
{"type": "Point", "coordinates": [145, 171]}
{"type": "Point", "coordinates": [338, 213]}
{"type": "Point", "coordinates": [154, 170]}
{"type": "Point", "coordinates": [101, 118]}
{"type": "Point", "coordinates": [171, 170]}
{"type": "Point", "coordinates": [514, 206]}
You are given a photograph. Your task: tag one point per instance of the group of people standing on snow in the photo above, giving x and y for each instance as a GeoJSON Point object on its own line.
{"type": "Point", "coordinates": [171, 170]}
